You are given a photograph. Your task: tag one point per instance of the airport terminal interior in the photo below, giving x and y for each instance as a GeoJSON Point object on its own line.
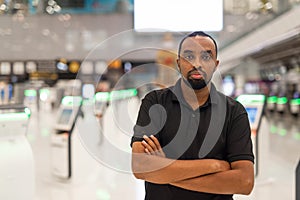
{"type": "Point", "coordinates": [73, 74]}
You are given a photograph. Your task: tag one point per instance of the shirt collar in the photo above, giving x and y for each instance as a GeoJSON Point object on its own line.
{"type": "Point", "coordinates": [178, 95]}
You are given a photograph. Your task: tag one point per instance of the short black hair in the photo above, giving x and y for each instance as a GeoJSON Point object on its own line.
{"type": "Point", "coordinates": [194, 34]}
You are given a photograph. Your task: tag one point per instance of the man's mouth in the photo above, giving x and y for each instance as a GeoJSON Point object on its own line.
{"type": "Point", "coordinates": [196, 76]}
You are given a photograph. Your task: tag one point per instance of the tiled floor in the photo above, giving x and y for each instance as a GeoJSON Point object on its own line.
{"type": "Point", "coordinates": [95, 177]}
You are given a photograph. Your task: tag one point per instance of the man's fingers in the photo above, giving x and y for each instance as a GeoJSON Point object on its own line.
{"type": "Point", "coordinates": [147, 151]}
{"type": "Point", "coordinates": [152, 146]}
{"type": "Point", "coordinates": [156, 142]}
{"type": "Point", "coordinates": [150, 142]}
{"type": "Point", "coordinates": [147, 146]}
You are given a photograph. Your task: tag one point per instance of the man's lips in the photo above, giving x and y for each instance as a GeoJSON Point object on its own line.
{"type": "Point", "coordinates": [196, 76]}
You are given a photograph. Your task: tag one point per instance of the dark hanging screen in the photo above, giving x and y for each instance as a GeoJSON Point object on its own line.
{"type": "Point", "coordinates": [71, 3]}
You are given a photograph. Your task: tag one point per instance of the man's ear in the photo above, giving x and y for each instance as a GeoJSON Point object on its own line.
{"type": "Point", "coordinates": [178, 65]}
{"type": "Point", "coordinates": [217, 65]}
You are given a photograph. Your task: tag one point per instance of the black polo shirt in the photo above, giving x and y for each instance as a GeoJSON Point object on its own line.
{"type": "Point", "coordinates": [219, 129]}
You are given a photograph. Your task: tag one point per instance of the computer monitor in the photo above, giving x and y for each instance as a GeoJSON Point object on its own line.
{"type": "Point", "coordinates": [251, 114]}
{"type": "Point", "coordinates": [67, 113]}
{"type": "Point", "coordinates": [254, 105]}
{"type": "Point", "coordinates": [66, 118]}
{"type": "Point", "coordinates": [254, 114]}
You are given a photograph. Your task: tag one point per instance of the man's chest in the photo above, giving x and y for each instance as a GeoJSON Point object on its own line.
{"type": "Point", "coordinates": [185, 131]}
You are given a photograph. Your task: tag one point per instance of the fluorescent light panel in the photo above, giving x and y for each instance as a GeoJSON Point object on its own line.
{"type": "Point", "coordinates": [178, 15]}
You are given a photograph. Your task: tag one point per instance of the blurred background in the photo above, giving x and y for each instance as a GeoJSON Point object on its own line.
{"type": "Point", "coordinates": [51, 50]}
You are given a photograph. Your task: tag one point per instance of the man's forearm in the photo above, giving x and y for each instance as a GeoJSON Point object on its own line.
{"type": "Point", "coordinates": [161, 170]}
{"type": "Point", "coordinates": [235, 181]}
{"type": "Point", "coordinates": [167, 171]}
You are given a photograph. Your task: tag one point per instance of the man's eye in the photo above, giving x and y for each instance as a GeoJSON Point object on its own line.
{"type": "Point", "coordinates": [205, 57]}
{"type": "Point", "coordinates": [189, 57]}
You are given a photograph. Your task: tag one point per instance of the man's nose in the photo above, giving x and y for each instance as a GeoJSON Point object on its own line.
{"type": "Point", "coordinates": [197, 62]}
{"type": "Point", "coordinates": [198, 68]}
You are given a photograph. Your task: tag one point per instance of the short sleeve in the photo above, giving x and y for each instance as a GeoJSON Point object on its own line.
{"type": "Point", "coordinates": [239, 143]}
{"type": "Point", "coordinates": [149, 118]}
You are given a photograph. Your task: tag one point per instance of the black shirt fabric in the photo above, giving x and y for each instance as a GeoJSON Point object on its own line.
{"type": "Point", "coordinates": [219, 129]}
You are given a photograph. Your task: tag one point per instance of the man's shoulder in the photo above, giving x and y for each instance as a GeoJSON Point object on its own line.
{"type": "Point", "coordinates": [231, 103]}
{"type": "Point", "coordinates": [234, 105]}
{"type": "Point", "coordinates": [160, 94]}
{"type": "Point", "coordinates": [162, 91]}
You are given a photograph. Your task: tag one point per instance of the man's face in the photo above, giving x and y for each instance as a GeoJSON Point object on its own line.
{"type": "Point", "coordinates": [197, 61]}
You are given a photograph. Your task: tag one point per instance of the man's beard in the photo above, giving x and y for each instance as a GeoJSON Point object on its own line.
{"type": "Point", "coordinates": [195, 84]}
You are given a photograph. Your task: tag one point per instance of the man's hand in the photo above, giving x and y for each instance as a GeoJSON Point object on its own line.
{"type": "Point", "coordinates": [152, 146]}
{"type": "Point", "coordinates": [154, 167]}
{"type": "Point", "coordinates": [240, 173]}
{"type": "Point", "coordinates": [150, 163]}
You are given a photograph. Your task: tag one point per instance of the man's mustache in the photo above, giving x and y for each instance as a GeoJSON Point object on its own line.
{"type": "Point", "coordinates": [197, 70]}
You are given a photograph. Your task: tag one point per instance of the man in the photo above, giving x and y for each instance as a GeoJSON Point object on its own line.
{"type": "Point", "coordinates": [191, 141]}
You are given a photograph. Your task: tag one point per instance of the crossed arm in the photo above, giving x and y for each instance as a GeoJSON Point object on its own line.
{"type": "Point", "coordinates": [203, 175]}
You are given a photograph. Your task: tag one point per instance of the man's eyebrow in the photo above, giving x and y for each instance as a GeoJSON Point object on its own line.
{"type": "Point", "coordinates": [187, 51]}
{"type": "Point", "coordinates": [207, 51]}
{"type": "Point", "coordinates": [190, 51]}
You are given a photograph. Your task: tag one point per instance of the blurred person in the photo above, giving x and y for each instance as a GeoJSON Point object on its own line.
{"type": "Point", "coordinates": [103, 85]}
{"type": "Point", "coordinates": [100, 107]}
{"type": "Point", "coordinates": [169, 140]}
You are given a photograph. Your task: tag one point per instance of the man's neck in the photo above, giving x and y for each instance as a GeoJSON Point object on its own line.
{"type": "Point", "coordinates": [195, 98]}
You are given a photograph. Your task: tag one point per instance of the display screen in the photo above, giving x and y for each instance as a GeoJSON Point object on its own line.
{"type": "Point", "coordinates": [65, 116]}
{"type": "Point", "coordinates": [70, 4]}
{"type": "Point", "coordinates": [178, 15]}
{"type": "Point", "coordinates": [251, 114]}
